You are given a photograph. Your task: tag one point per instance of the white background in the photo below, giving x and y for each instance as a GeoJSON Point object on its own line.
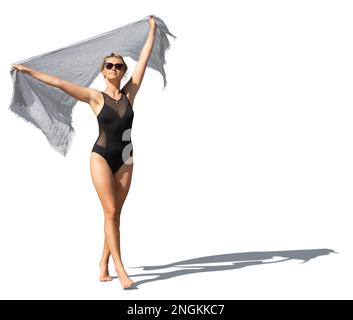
{"type": "Point", "coordinates": [248, 149]}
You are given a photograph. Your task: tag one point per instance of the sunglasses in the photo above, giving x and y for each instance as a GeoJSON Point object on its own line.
{"type": "Point", "coordinates": [118, 66]}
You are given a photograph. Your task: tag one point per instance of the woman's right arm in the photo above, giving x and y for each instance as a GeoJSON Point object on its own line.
{"type": "Point", "coordinates": [80, 93]}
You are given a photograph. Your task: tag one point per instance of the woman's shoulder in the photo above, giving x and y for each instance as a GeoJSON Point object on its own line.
{"type": "Point", "coordinates": [97, 98]}
{"type": "Point", "coordinates": [96, 94]}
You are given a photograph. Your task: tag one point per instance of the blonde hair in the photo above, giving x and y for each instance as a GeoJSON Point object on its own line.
{"type": "Point", "coordinates": [116, 56]}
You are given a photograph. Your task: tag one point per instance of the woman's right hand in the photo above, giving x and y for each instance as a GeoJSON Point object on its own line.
{"type": "Point", "coordinates": [19, 67]}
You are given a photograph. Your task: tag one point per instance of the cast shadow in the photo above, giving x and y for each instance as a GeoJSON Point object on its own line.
{"type": "Point", "coordinates": [235, 260]}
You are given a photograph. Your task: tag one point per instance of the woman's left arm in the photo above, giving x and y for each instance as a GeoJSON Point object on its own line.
{"type": "Point", "coordinates": [134, 83]}
{"type": "Point", "coordinates": [147, 48]}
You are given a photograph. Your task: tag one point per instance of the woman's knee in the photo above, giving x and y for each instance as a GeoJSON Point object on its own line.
{"type": "Point", "coordinates": [111, 212]}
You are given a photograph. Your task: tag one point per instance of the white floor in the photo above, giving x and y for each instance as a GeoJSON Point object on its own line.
{"type": "Point", "coordinates": [245, 158]}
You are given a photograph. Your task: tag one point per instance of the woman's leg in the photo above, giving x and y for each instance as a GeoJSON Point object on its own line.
{"type": "Point", "coordinates": [104, 262]}
{"type": "Point", "coordinates": [122, 179]}
{"type": "Point", "coordinates": [104, 183]}
{"type": "Point", "coordinates": [122, 182]}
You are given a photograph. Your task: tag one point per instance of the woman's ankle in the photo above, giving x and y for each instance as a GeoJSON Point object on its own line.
{"type": "Point", "coordinates": [119, 267]}
{"type": "Point", "coordinates": [103, 262]}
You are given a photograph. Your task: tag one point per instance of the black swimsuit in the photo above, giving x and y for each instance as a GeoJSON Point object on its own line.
{"type": "Point", "coordinates": [115, 123]}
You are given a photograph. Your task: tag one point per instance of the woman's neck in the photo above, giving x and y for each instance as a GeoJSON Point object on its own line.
{"type": "Point", "coordinates": [113, 88]}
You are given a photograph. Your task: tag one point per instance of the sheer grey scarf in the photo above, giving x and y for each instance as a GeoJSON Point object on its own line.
{"type": "Point", "coordinates": [49, 108]}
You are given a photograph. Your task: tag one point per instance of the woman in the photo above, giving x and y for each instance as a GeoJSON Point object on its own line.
{"type": "Point", "coordinates": [111, 164]}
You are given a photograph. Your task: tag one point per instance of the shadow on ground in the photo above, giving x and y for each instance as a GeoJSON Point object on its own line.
{"type": "Point", "coordinates": [225, 262]}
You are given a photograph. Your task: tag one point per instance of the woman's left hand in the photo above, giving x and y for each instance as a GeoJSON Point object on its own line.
{"type": "Point", "coordinates": [152, 22]}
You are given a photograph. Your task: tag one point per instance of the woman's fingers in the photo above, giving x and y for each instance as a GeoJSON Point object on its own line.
{"type": "Point", "coordinates": [17, 66]}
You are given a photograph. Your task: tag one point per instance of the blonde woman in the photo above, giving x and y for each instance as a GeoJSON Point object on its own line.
{"type": "Point", "coordinates": [111, 162]}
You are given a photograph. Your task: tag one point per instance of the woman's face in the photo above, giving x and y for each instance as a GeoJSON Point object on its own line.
{"type": "Point", "coordinates": [113, 72]}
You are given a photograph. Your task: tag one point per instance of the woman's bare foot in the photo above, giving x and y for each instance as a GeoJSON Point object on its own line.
{"type": "Point", "coordinates": [125, 281]}
{"type": "Point", "coordinates": [104, 273]}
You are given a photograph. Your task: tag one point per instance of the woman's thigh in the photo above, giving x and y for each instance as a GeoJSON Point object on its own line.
{"type": "Point", "coordinates": [104, 182]}
{"type": "Point", "coordinates": [122, 180]}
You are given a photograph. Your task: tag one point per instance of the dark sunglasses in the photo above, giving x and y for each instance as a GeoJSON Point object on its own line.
{"type": "Point", "coordinates": [118, 66]}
